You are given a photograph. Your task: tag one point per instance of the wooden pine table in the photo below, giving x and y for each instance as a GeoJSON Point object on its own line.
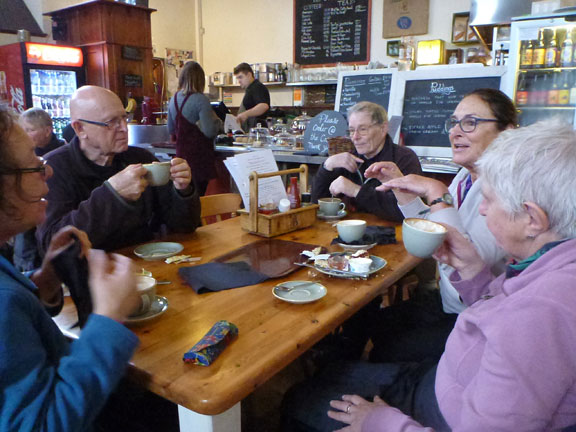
{"type": "Point", "coordinates": [272, 333]}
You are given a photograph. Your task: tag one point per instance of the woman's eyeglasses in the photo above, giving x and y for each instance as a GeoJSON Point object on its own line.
{"type": "Point", "coordinates": [467, 124]}
{"type": "Point", "coordinates": [41, 169]}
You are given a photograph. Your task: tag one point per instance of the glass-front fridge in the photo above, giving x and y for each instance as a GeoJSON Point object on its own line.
{"type": "Point", "coordinates": [43, 76]}
{"type": "Point", "coordinates": [542, 63]}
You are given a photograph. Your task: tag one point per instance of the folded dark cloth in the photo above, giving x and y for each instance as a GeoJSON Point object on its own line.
{"type": "Point", "coordinates": [73, 271]}
{"type": "Point", "coordinates": [215, 276]}
{"type": "Point", "coordinates": [381, 235]}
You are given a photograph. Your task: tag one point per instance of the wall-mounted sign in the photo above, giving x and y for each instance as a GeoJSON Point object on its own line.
{"type": "Point", "coordinates": [53, 55]}
{"type": "Point", "coordinates": [132, 53]}
{"type": "Point", "coordinates": [132, 80]}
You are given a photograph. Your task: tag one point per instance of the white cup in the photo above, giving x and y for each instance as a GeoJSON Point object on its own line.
{"type": "Point", "coordinates": [422, 237]}
{"type": "Point", "coordinates": [351, 230]}
{"type": "Point", "coordinates": [331, 206]}
{"type": "Point", "coordinates": [158, 173]}
{"type": "Point", "coordinates": [146, 286]}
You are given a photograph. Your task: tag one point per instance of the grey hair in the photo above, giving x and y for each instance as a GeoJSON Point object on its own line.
{"type": "Point", "coordinates": [535, 163]}
{"type": "Point", "coordinates": [37, 117]}
{"type": "Point", "coordinates": [377, 112]}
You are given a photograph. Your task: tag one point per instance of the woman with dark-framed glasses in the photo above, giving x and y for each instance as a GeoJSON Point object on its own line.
{"type": "Point", "coordinates": [46, 383]}
{"type": "Point", "coordinates": [342, 174]}
{"type": "Point", "coordinates": [417, 329]}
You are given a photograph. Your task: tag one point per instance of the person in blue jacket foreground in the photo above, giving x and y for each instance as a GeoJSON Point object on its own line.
{"type": "Point", "coordinates": [47, 384]}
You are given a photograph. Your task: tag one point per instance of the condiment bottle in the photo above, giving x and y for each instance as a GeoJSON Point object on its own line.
{"type": "Point", "coordinates": [539, 52]}
{"type": "Point", "coordinates": [294, 193]}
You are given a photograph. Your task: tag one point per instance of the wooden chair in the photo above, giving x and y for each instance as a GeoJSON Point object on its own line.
{"type": "Point", "coordinates": [214, 206]}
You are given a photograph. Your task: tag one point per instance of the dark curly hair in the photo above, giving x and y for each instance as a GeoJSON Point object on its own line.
{"type": "Point", "coordinates": [7, 121]}
{"type": "Point", "coordinates": [501, 106]}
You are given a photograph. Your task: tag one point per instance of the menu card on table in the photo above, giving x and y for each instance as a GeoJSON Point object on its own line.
{"type": "Point", "coordinates": [270, 190]}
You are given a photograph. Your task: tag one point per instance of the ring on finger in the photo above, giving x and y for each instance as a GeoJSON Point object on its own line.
{"type": "Point", "coordinates": [348, 408]}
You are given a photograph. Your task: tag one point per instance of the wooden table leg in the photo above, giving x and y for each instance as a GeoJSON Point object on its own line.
{"type": "Point", "coordinates": [228, 421]}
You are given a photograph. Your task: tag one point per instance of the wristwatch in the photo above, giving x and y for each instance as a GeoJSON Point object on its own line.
{"type": "Point", "coordinates": [446, 199]}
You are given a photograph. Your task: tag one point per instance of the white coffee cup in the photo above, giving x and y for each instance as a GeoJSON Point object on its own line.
{"type": "Point", "coordinates": [331, 206]}
{"type": "Point", "coordinates": [351, 230]}
{"type": "Point", "coordinates": [422, 237]}
{"type": "Point", "coordinates": [146, 286]}
{"type": "Point", "coordinates": [158, 173]}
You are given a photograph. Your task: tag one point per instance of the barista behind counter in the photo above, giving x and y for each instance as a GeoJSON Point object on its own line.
{"type": "Point", "coordinates": [256, 102]}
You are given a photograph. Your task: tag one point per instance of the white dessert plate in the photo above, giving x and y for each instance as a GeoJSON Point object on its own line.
{"type": "Point", "coordinates": [377, 265]}
{"type": "Point", "coordinates": [157, 308]}
{"type": "Point", "coordinates": [299, 291]}
{"type": "Point", "coordinates": [158, 251]}
{"type": "Point", "coordinates": [351, 247]}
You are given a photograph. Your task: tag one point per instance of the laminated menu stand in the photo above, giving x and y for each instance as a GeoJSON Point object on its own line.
{"type": "Point", "coordinates": [279, 223]}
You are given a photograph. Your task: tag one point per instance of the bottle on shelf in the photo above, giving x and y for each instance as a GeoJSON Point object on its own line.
{"type": "Point", "coordinates": [552, 52]}
{"type": "Point", "coordinates": [453, 59]}
{"type": "Point", "coordinates": [564, 89]}
{"type": "Point", "coordinates": [539, 52]}
{"type": "Point", "coordinates": [533, 90]}
{"type": "Point", "coordinates": [552, 96]}
{"type": "Point", "coordinates": [294, 193]}
{"type": "Point", "coordinates": [522, 91]}
{"type": "Point", "coordinates": [572, 85]}
{"type": "Point", "coordinates": [526, 51]}
{"type": "Point", "coordinates": [567, 51]}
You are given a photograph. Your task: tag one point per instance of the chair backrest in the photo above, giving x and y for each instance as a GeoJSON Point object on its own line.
{"type": "Point", "coordinates": [214, 206]}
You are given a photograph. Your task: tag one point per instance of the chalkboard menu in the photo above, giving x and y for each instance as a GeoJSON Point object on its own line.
{"type": "Point", "coordinates": [325, 125]}
{"type": "Point", "coordinates": [331, 31]}
{"type": "Point", "coordinates": [429, 102]}
{"type": "Point", "coordinates": [370, 87]}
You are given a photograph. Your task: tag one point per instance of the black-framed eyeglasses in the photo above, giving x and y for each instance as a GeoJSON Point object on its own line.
{"type": "Point", "coordinates": [362, 130]}
{"type": "Point", "coordinates": [41, 169]}
{"type": "Point", "coordinates": [110, 124]}
{"type": "Point", "coordinates": [467, 124]}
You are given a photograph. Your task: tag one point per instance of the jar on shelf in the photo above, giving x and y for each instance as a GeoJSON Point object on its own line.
{"type": "Point", "coordinates": [300, 123]}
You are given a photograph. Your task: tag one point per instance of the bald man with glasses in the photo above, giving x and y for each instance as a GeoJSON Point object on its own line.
{"type": "Point", "coordinates": [99, 183]}
{"type": "Point", "coordinates": [342, 175]}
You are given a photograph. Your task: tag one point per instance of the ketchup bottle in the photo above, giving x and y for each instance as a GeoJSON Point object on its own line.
{"type": "Point", "coordinates": [294, 193]}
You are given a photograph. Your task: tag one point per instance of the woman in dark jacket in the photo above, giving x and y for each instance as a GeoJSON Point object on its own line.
{"type": "Point", "coordinates": [193, 125]}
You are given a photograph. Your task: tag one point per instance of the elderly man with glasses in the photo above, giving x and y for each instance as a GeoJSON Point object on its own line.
{"type": "Point", "coordinates": [99, 183]}
{"type": "Point", "coordinates": [342, 174]}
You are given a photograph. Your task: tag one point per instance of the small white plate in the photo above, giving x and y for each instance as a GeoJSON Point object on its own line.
{"type": "Point", "coordinates": [300, 291]}
{"type": "Point", "coordinates": [350, 247]}
{"type": "Point", "coordinates": [377, 265]}
{"type": "Point", "coordinates": [340, 215]}
{"type": "Point", "coordinates": [158, 251]}
{"type": "Point", "coordinates": [157, 308]}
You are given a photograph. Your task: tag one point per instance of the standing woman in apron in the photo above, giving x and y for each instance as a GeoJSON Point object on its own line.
{"type": "Point", "coordinates": [193, 125]}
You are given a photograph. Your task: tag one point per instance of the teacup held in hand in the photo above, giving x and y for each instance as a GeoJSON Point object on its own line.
{"type": "Point", "coordinates": [422, 237]}
{"type": "Point", "coordinates": [158, 173]}
{"type": "Point", "coordinates": [331, 206]}
{"type": "Point", "coordinates": [351, 230]}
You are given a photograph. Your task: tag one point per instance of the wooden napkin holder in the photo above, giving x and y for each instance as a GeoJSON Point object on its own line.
{"type": "Point", "coordinates": [270, 225]}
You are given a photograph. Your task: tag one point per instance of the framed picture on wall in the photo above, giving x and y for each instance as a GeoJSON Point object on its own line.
{"type": "Point", "coordinates": [459, 27]}
{"type": "Point", "coordinates": [393, 48]}
{"type": "Point", "coordinates": [471, 35]}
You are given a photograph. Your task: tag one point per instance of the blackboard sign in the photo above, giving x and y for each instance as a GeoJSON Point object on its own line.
{"type": "Point", "coordinates": [325, 125]}
{"type": "Point", "coordinates": [370, 87]}
{"type": "Point", "coordinates": [331, 31]}
{"type": "Point", "coordinates": [428, 103]}
{"type": "Point", "coordinates": [132, 80]}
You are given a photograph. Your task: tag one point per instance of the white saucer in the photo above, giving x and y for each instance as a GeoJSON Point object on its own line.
{"type": "Point", "coordinates": [157, 308]}
{"type": "Point", "coordinates": [350, 247]}
{"type": "Point", "coordinates": [303, 291]}
{"type": "Point", "coordinates": [340, 215]}
{"type": "Point", "coordinates": [158, 251]}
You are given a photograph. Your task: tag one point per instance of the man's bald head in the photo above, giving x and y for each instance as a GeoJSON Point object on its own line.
{"type": "Point", "coordinates": [99, 119]}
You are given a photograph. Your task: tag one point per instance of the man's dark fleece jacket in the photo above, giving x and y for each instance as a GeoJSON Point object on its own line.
{"type": "Point", "coordinates": [81, 196]}
{"type": "Point", "coordinates": [369, 200]}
